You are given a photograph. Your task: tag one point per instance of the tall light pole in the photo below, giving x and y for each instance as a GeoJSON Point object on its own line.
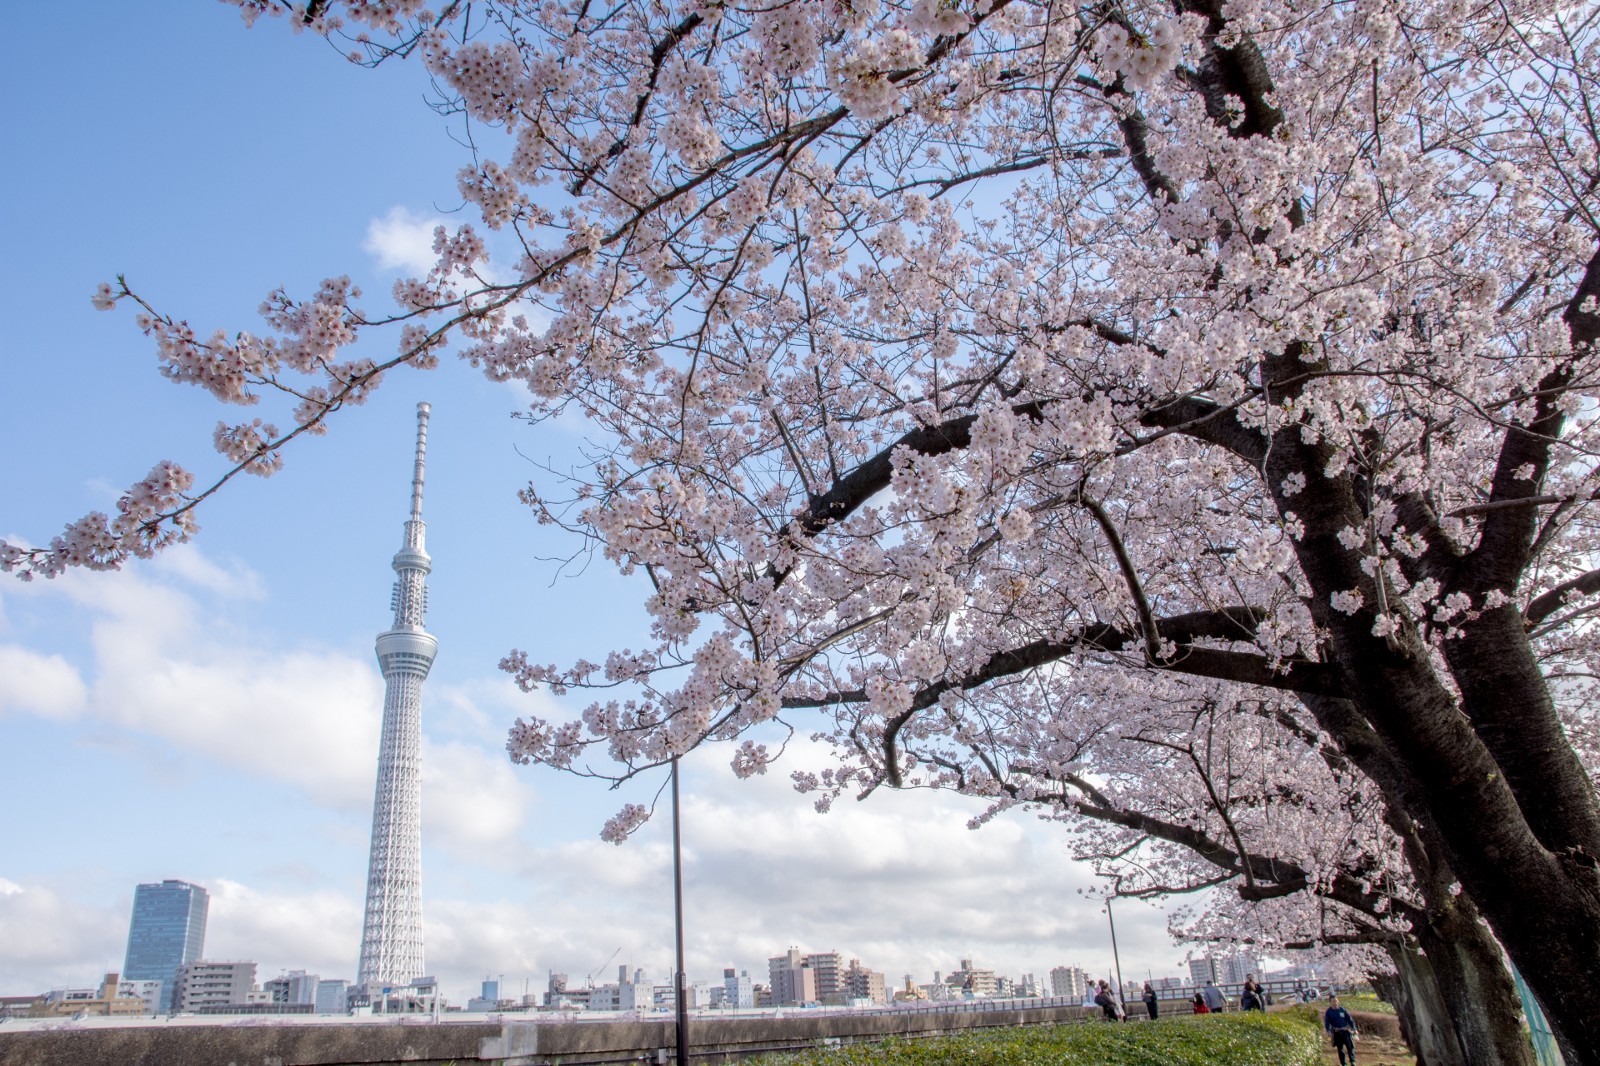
{"type": "Point", "coordinates": [681, 981]}
{"type": "Point", "coordinates": [1114, 956]}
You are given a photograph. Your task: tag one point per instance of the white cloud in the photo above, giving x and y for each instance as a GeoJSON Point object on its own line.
{"type": "Point", "coordinates": [309, 717]}
{"type": "Point", "coordinates": [403, 241]}
{"type": "Point", "coordinates": [316, 931]}
{"type": "Point", "coordinates": [46, 685]}
{"type": "Point", "coordinates": [897, 881]}
{"type": "Point", "coordinates": [469, 940]}
{"type": "Point", "coordinates": [473, 800]}
{"type": "Point", "coordinates": [51, 941]}
{"type": "Point", "coordinates": [188, 563]}
{"type": "Point", "coordinates": [167, 667]}
{"type": "Point", "coordinates": [481, 709]}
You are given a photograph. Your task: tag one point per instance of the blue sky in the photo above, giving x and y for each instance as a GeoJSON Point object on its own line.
{"type": "Point", "coordinates": [213, 715]}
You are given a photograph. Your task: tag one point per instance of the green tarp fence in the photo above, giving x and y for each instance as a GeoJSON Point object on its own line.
{"type": "Point", "coordinates": [1544, 1042]}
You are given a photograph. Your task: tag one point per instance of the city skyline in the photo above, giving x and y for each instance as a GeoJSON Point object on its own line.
{"type": "Point", "coordinates": [224, 697]}
{"type": "Point", "coordinates": [168, 922]}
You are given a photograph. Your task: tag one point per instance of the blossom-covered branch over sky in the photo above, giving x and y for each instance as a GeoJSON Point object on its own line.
{"type": "Point", "coordinates": [959, 371]}
{"type": "Point", "coordinates": [212, 713]}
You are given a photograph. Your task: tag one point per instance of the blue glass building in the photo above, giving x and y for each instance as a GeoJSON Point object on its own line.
{"type": "Point", "coordinates": [168, 931]}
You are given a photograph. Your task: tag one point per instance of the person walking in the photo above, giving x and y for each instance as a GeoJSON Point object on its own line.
{"type": "Point", "coordinates": [1200, 1004]}
{"type": "Point", "coordinates": [1337, 1023]}
{"type": "Point", "coordinates": [1149, 997]}
{"type": "Point", "coordinates": [1213, 996]}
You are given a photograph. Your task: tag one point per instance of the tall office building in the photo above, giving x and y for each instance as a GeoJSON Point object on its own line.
{"type": "Point", "coordinates": [168, 930]}
{"type": "Point", "coordinates": [391, 935]}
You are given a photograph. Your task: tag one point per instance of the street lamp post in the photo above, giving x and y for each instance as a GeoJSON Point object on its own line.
{"type": "Point", "coordinates": [681, 981]}
{"type": "Point", "coordinates": [1114, 956]}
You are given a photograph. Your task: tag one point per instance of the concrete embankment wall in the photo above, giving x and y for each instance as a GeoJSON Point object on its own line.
{"type": "Point", "coordinates": [504, 1043]}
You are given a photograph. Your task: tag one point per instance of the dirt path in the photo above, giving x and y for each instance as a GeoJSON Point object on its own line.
{"type": "Point", "coordinates": [1374, 1051]}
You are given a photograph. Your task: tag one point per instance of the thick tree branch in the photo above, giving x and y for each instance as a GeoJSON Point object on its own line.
{"type": "Point", "coordinates": [1130, 576]}
{"type": "Point", "coordinates": [1279, 877]}
{"type": "Point", "coordinates": [1230, 624]}
{"type": "Point", "coordinates": [1510, 517]}
{"type": "Point", "coordinates": [1211, 423]}
{"type": "Point", "coordinates": [1548, 603]}
{"type": "Point", "coordinates": [874, 475]}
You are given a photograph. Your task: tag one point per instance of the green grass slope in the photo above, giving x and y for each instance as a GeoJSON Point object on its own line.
{"type": "Point", "coordinates": [1226, 1040]}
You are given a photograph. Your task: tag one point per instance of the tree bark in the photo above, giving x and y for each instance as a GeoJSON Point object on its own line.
{"type": "Point", "coordinates": [1544, 907]}
{"type": "Point", "coordinates": [1420, 1007]}
{"type": "Point", "coordinates": [1455, 1001]}
{"type": "Point", "coordinates": [1483, 1012]}
{"type": "Point", "coordinates": [1464, 957]}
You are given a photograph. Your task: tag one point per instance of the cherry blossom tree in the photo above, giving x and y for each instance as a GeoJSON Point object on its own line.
{"type": "Point", "coordinates": [938, 345]}
{"type": "Point", "coordinates": [1181, 790]}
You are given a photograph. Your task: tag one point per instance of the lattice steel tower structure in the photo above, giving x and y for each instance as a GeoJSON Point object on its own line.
{"type": "Point", "coordinates": [391, 936]}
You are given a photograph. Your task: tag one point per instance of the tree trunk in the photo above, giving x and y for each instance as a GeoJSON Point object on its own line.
{"type": "Point", "coordinates": [1424, 1018]}
{"type": "Point", "coordinates": [1484, 761]}
{"type": "Point", "coordinates": [1544, 911]}
{"type": "Point", "coordinates": [1544, 907]}
{"type": "Point", "coordinates": [1469, 971]}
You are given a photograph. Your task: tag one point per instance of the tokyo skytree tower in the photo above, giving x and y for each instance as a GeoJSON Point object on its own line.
{"type": "Point", "coordinates": [391, 936]}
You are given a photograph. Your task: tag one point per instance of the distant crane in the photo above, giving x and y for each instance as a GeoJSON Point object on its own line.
{"type": "Point", "coordinates": [589, 980]}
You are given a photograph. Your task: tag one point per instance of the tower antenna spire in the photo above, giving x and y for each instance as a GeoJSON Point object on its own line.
{"type": "Point", "coordinates": [423, 409]}
{"type": "Point", "coordinates": [391, 934]}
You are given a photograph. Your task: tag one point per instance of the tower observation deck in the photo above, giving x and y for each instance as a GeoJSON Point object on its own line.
{"type": "Point", "coordinates": [391, 934]}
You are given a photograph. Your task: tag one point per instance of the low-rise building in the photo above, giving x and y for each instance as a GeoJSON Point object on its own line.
{"type": "Point", "coordinates": [970, 981]}
{"type": "Point", "coordinates": [558, 996]}
{"type": "Point", "coordinates": [738, 991]}
{"type": "Point", "coordinates": [420, 996]}
{"type": "Point", "coordinates": [147, 990]}
{"type": "Point", "coordinates": [333, 996]}
{"type": "Point", "coordinates": [910, 993]}
{"type": "Point", "coordinates": [20, 1006]}
{"type": "Point", "coordinates": [107, 1001]}
{"type": "Point", "coordinates": [861, 983]}
{"type": "Point", "coordinates": [625, 995]}
{"type": "Point", "coordinates": [295, 986]}
{"type": "Point", "coordinates": [213, 983]}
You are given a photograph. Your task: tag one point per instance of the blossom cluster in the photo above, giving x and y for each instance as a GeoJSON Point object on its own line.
{"type": "Point", "coordinates": [152, 514]}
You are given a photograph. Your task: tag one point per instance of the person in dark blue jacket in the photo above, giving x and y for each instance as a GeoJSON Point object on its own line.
{"type": "Point", "coordinates": [1251, 998]}
{"type": "Point", "coordinates": [1336, 1021]}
